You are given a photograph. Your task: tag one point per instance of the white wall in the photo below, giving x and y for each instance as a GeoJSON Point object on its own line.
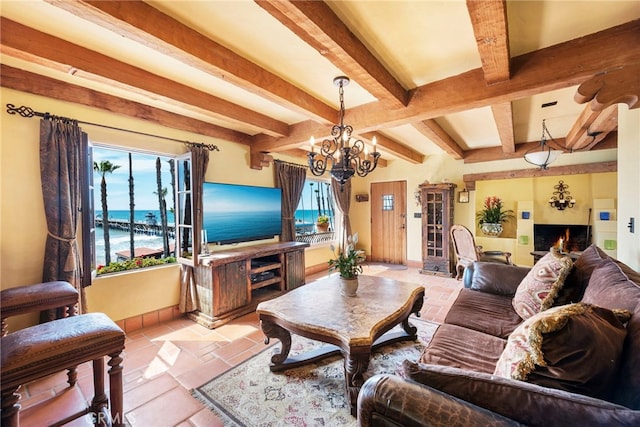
{"type": "Point", "coordinates": [629, 185]}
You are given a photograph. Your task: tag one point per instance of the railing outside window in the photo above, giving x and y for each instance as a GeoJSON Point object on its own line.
{"type": "Point", "coordinates": [314, 238]}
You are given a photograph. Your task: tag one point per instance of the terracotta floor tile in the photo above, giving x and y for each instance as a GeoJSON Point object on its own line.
{"type": "Point", "coordinates": [169, 409]}
{"type": "Point", "coordinates": [204, 373]}
{"type": "Point", "coordinates": [231, 350]}
{"type": "Point", "coordinates": [236, 331]}
{"type": "Point", "coordinates": [157, 331]}
{"type": "Point", "coordinates": [146, 391]}
{"type": "Point", "coordinates": [205, 418]}
{"type": "Point", "coordinates": [55, 409]}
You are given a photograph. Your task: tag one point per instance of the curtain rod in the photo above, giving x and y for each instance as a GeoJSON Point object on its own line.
{"type": "Point", "coordinates": [28, 112]}
{"type": "Point", "coordinates": [291, 164]}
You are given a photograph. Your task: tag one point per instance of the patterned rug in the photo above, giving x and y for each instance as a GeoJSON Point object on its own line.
{"type": "Point", "coordinates": [312, 395]}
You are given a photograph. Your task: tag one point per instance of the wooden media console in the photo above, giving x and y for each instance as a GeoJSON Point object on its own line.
{"type": "Point", "coordinates": [233, 282]}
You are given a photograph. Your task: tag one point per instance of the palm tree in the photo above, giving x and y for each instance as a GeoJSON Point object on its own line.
{"type": "Point", "coordinates": [103, 168]}
{"type": "Point", "coordinates": [172, 209]}
{"type": "Point", "coordinates": [132, 218]}
{"type": "Point", "coordinates": [162, 194]}
{"type": "Point", "coordinates": [187, 209]}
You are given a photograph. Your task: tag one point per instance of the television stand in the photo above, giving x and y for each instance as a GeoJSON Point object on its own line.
{"type": "Point", "coordinates": [231, 283]}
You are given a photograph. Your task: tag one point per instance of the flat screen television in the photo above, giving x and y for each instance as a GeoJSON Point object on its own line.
{"type": "Point", "coordinates": [240, 213]}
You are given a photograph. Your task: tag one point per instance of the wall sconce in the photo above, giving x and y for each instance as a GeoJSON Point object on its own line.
{"type": "Point", "coordinates": [561, 198]}
{"type": "Point", "coordinates": [418, 196]}
{"type": "Point", "coordinates": [463, 196]}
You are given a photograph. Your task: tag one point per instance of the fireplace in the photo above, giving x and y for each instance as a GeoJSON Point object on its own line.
{"type": "Point", "coordinates": [569, 238]}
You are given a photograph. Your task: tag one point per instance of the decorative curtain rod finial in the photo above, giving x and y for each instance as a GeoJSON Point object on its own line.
{"type": "Point", "coordinates": [210, 147]}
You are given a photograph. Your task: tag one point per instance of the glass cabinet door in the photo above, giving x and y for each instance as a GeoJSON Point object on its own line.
{"type": "Point", "coordinates": [434, 206]}
{"type": "Point", "coordinates": [437, 217]}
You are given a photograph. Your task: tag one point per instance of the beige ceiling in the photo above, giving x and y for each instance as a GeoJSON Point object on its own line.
{"type": "Point", "coordinates": [264, 69]}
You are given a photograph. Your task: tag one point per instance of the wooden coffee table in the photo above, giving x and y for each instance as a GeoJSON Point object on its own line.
{"type": "Point", "coordinates": [353, 326]}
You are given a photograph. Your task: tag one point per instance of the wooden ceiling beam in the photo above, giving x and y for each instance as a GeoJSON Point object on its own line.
{"type": "Point", "coordinates": [143, 23]}
{"type": "Point", "coordinates": [591, 127]}
{"type": "Point", "coordinates": [489, 21]}
{"type": "Point", "coordinates": [470, 179]}
{"type": "Point", "coordinates": [503, 116]}
{"type": "Point", "coordinates": [438, 136]}
{"type": "Point", "coordinates": [24, 81]}
{"type": "Point", "coordinates": [399, 150]}
{"type": "Point", "coordinates": [555, 67]}
{"type": "Point", "coordinates": [621, 85]}
{"type": "Point", "coordinates": [496, 153]}
{"type": "Point", "coordinates": [316, 24]}
{"type": "Point", "coordinates": [35, 46]}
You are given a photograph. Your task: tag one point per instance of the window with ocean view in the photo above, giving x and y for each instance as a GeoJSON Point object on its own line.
{"type": "Point", "coordinates": [134, 209]}
{"type": "Point", "coordinates": [316, 214]}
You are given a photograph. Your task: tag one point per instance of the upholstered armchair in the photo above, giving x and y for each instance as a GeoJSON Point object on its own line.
{"type": "Point", "coordinates": [467, 252]}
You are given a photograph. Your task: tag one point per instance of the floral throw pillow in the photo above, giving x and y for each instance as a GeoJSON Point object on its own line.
{"type": "Point", "coordinates": [574, 347]}
{"type": "Point", "coordinates": [541, 285]}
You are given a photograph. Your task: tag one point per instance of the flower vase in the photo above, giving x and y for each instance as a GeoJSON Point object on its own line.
{"type": "Point", "coordinates": [349, 287]}
{"type": "Point", "coordinates": [491, 229]}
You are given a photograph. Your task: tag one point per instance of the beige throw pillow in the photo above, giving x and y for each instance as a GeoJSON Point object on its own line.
{"type": "Point", "coordinates": [541, 285]}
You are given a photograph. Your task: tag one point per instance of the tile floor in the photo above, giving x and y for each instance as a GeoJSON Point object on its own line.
{"type": "Point", "coordinates": [163, 363]}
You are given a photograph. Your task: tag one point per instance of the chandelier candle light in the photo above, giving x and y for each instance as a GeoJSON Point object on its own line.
{"type": "Point", "coordinates": [347, 155]}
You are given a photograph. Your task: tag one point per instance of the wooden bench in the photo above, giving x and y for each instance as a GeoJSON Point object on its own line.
{"type": "Point", "coordinates": [41, 350]}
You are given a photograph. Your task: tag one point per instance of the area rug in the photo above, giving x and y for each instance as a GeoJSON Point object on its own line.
{"type": "Point", "coordinates": [312, 395]}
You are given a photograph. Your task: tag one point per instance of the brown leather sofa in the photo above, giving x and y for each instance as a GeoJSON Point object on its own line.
{"type": "Point", "coordinates": [589, 375]}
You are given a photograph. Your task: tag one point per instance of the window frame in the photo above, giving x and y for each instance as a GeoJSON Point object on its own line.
{"type": "Point", "coordinates": [320, 238]}
{"type": "Point", "coordinates": [88, 208]}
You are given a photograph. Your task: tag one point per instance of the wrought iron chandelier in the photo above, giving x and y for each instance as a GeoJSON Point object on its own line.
{"type": "Point", "coordinates": [561, 198]}
{"type": "Point", "coordinates": [346, 155]}
{"type": "Point", "coordinates": [546, 155]}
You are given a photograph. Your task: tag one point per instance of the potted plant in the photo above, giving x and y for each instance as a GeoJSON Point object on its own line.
{"type": "Point", "coordinates": [322, 223]}
{"type": "Point", "coordinates": [492, 215]}
{"type": "Point", "coordinates": [348, 262]}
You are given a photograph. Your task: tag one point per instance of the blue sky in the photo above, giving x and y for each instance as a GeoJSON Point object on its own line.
{"type": "Point", "coordinates": [240, 198]}
{"type": "Point", "coordinates": [144, 177]}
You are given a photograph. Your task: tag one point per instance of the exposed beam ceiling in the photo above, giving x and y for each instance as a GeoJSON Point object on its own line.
{"type": "Point", "coordinates": [336, 35]}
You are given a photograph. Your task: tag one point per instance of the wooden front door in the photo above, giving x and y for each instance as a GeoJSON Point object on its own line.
{"type": "Point", "coordinates": [389, 222]}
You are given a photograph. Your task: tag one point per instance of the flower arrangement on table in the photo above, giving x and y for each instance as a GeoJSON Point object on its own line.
{"type": "Point", "coordinates": [347, 260]}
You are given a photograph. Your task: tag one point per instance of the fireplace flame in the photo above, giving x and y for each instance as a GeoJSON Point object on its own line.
{"type": "Point", "coordinates": [562, 243]}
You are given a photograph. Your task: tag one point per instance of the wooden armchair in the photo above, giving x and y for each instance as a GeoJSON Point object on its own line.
{"type": "Point", "coordinates": [467, 252]}
{"type": "Point", "coordinates": [60, 344]}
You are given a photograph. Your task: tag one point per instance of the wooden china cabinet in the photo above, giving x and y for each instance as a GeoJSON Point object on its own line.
{"type": "Point", "coordinates": [437, 217]}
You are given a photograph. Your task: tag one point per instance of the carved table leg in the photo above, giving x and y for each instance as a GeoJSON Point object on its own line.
{"type": "Point", "coordinates": [354, 368]}
{"type": "Point", "coordinates": [408, 327]}
{"type": "Point", "coordinates": [271, 330]}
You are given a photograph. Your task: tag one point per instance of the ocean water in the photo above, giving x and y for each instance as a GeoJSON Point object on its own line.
{"type": "Point", "coordinates": [308, 216]}
{"type": "Point", "coordinates": [120, 238]}
{"type": "Point", "coordinates": [238, 226]}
